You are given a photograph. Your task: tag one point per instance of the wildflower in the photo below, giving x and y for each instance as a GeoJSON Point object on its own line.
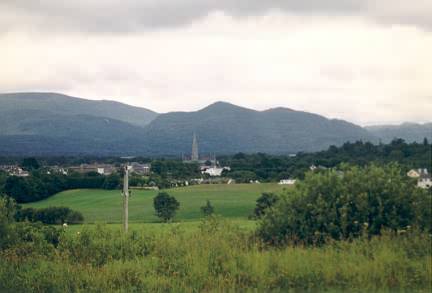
{"type": "Point", "coordinates": [78, 233]}
{"type": "Point", "coordinates": [65, 225]}
{"type": "Point", "coordinates": [365, 224]}
{"type": "Point", "coordinates": [356, 222]}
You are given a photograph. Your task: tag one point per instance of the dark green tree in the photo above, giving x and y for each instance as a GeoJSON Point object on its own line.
{"type": "Point", "coordinates": [19, 189]}
{"type": "Point", "coordinates": [265, 201]}
{"type": "Point", "coordinates": [111, 181]}
{"type": "Point", "coordinates": [165, 206]}
{"type": "Point", "coordinates": [207, 209]}
{"type": "Point", "coordinates": [30, 164]}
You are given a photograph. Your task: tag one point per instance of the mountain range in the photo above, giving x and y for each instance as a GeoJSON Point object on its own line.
{"type": "Point", "coordinates": [410, 132]}
{"type": "Point", "coordinates": [56, 124]}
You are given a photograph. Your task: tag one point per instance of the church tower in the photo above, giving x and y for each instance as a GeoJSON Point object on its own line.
{"type": "Point", "coordinates": [195, 155]}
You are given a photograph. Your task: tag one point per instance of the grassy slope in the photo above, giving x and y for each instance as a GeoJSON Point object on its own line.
{"type": "Point", "coordinates": [233, 201]}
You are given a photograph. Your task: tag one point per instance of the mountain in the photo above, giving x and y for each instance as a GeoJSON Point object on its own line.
{"type": "Point", "coordinates": [410, 132]}
{"type": "Point", "coordinates": [226, 128]}
{"type": "Point", "coordinates": [20, 111]}
{"type": "Point", "coordinates": [49, 123]}
{"type": "Point", "coordinates": [54, 124]}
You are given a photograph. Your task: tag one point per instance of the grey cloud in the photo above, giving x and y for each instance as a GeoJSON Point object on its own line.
{"type": "Point", "coordinates": [110, 16]}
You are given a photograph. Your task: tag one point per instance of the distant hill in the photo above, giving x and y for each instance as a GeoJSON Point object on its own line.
{"type": "Point", "coordinates": [226, 128]}
{"type": "Point", "coordinates": [55, 124]}
{"type": "Point", "coordinates": [18, 111]}
{"type": "Point", "coordinates": [410, 132]}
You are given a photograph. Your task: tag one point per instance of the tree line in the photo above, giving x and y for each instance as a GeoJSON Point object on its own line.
{"type": "Point", "coordinates": [41, 185]}
{"type": "Point", "coordinates": [265, 167]}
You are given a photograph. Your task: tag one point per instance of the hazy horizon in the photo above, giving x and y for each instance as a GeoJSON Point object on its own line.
{"type": "Point", "coordinates": [367, 62]}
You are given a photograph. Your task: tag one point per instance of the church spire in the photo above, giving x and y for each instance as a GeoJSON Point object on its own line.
{"type": "Point", "coordinates": [195, 155]}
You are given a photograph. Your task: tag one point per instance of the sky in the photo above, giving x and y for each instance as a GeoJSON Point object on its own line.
{"type": "Point", "coordinates": [365, 61]}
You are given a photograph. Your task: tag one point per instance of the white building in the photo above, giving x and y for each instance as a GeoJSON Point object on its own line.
{"type": "Point", "coordinates": [424, 181]}
{"type": "Point", "coordinates": [287, 181]}
{"type": "Point", "coordinates": [413, 173]}
{"type": "Point", "coordinates": [417, 173]}
{"type": "Point", "coordinates": [423, 177]}
{"type": "Point", "coordinates": [140, 169]}
{"type": "Point", "coordinates": [215, 171]}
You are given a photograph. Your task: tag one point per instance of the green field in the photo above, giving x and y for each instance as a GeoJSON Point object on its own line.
{"type": "Point", "coordinates": [234, 201]}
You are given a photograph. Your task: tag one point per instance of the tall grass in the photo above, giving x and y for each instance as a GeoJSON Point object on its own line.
{"type": "Point", "coordinates": [217, 257]}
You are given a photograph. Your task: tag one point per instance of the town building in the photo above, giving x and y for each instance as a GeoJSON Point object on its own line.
{"type": "Point", "coordinates": [14, 170]}
{"type": "Point", "coordinates": [416, 173]}
{"type": "Point", "coordinates": [140, 169]}
{"type": "Point", "coordinates": [214, 170]}
{"type": "Point", "coordinates": [102, 169]}
{"type": "Point", "coordinates": [287, 181]}
{"type": "Point", "coordinates": [423, 177]}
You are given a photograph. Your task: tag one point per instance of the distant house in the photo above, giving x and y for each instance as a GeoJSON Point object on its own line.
{"type": "Point", "coordinates": [214, 170]}
{"type": "Point", "coordinates": [58, 169]}
{"type": "Point", "coordinates": [103, 169]}
{"type": "Point", "coordinates": [423, 177]}
{"type": "Point", "coordinates": [140, 169]}
{"type": "Point", "coordinates": [413, 173]}
{"type": "Point", "coordinates": [425, 180]}
{"type": "Point", "coordinates": [14, 170]}
{"type": "Point", "coordinates": [287, 181]}
{"type": "Point", "coordinates": [319, 167]}
{"type": "Point", "coordinates": [417, 173]}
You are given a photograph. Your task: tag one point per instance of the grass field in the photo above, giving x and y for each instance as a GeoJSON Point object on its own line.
{"type": "Point", "coordinates": [234, 201]}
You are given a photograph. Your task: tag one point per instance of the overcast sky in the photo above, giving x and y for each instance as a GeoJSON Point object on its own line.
{"type": "Point", "coordinates": [366, 61]}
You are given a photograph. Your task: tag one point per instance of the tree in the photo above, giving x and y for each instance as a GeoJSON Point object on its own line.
{"type": "Point", "coordinates": [207, 209]}
{"type": "Point", "coordinates": [265, 201]}
{"type": "Point", "coordinates": [165, 206]}
{"type": "Point", "coordinates": [18, 188]}
{"type": "Point", "coordinates": [30, 164]}
{"type": "Point", "coordinates": [111, 181]}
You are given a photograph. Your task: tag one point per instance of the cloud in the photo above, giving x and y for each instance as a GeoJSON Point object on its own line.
{"type": "Point", "coordinates": [115, 16]}
{"type": "Point", "coordinates": [340, 67]}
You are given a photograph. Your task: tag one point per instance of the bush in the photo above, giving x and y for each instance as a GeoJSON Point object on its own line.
{"type": "Point", "coordinates": [165, 206]}
{"type": "Point", "coordinates": [343, 206]}
{"type": "Point", "coordinates": [208, 209]}
{"type": "Point", "coordinates": [265, 201]}
{"type": "Point", "coordinates": [50, 215]}
{"type": "Point", "coordinates": [7, 211]}
{"type": "Point", "coordinates": [111, 181]}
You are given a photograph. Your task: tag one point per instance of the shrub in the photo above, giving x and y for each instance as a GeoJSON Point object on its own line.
{"type": "Point", "coordinates": [341, 206]}
{"type": "Point", "coordinates": [7, 210]}
{"type": "Point", "coordinates": [50, 215]}
{"type": "Point", "coordinates": [111, 181]}
{"type": "Point", "coordinates": [208, 209]}
{"type": "Point", "coordinates": [165, 206]}
{"type": "Point", "coordinates": [265, 201]}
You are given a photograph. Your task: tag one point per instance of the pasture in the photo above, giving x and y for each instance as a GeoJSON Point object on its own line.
{"type": "Point", "coordinates": [234, 201]}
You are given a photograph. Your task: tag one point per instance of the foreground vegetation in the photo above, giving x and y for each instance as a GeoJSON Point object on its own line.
{"type": "Point", "coordinates": [352, 230]}
{"type": "Point", "coordinates": [215, 257]}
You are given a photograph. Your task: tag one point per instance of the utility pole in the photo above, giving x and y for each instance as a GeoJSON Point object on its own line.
{"type": "Point", "coordinates": [125, 198]}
